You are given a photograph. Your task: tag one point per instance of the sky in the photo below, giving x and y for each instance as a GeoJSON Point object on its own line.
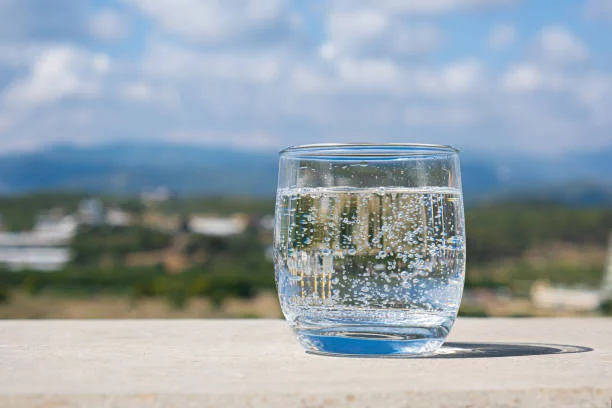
{"type": "Point", "coordinates": [491, 76]}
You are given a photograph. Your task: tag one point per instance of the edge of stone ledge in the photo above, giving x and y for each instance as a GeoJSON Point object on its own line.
{"type": "Point", "coordinates": [554, 397]}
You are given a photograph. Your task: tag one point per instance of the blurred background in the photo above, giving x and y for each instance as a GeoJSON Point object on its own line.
{"type": "Point", "coordinates": [138, 143]}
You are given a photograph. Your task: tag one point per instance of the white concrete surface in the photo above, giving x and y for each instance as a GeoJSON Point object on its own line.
{"type": "Point", "coordinates": [258, 363]}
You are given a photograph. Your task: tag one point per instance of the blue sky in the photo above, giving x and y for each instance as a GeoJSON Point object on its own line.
{"type": "Point", "coordinates": [524, 76]}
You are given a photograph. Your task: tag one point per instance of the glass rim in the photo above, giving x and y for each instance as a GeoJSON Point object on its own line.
{"type": "Point", "coordinates": [365, 150]}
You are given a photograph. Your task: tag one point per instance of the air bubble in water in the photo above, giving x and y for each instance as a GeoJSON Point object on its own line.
{"type": "Point", "coordinates": [455, 242]}
{"type": "Point", "coordinates": [369, 253]}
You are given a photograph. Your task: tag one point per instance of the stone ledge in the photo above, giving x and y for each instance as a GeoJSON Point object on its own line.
{"type": "Point", "coordinates": [237, 363]}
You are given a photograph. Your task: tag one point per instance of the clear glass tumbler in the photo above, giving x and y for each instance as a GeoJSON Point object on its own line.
{"type": "Point", "coordinates": [369, 246]}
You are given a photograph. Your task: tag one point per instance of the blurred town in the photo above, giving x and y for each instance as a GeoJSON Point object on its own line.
{"type": "Point", "coordinates": [67, 255]}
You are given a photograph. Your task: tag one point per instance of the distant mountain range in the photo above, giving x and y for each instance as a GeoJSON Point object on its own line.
{"type": "Point", "coordinates": [191, 170]}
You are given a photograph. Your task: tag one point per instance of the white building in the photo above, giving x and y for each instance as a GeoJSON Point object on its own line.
{"type": "Point", "coordinates": [156, 195]}
{"type": "Point", "coordinates": [45, 259]}
{"type": "Point", "coordinates": [545, 296]}
{"type": "Point", "coordinates": [217, 226]}
{"type": "Point", "coordinates": [267, 222]}
{"type": "Point", "coordinates": [91, 211]}
{"type": "Point", "coordinates": [606, 284]}
{"type": "Point", "coordinates": [116, 217]}
{"type": "Point", "coordinates": [58, 229]}
{"type": "Point", "coordinates": [45, 248]}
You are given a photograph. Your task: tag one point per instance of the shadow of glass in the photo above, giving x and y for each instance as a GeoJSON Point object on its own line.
{"type": "Point", "coordinates": [491, 350]}
{"type": "Point", "coordinates": [478, 350]}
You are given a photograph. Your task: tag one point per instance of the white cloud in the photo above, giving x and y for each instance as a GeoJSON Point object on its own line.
{"type": "Point", "coordinates": [241, 140]}
{"type": "Point", "coordinates": [502, 36]}
{"type": "Point", "coordinates": [557, 45]}
{"type": "Point", "coordinates": [233, 73]}
{"type": "Point", "coordinates": [19, 55]}
{"type": "Point", "coordinates": [100, 63]}
{"type": "Point", "coordinates": [594, 88]}
{"type": "Point", "coordinates": [174, 61]}
{"type": "Point", "coordinates": [109, 25]}
{"type": "Point", "coordinates": [144, 92]}
{"type": "Point", "coordinates": [5, 123]}
{"type": "Point", "coordinates": [137, 91]}
{"type": "Point", "coordinates": [462, 76]}
{"type": "Point", "coordinates": [416, 39]}
{"type": "Point", "coordinates": [59, 72]}
{"type": "Point", "coordinates": [522, 78]}
{"type": "Point", "coordinates": [47, 125]}
{"type": "Point", "coordinates": [369, 32]}
{"type": "Point", "coordinates": [564, 105]}
{"type": "Point", "coordinates": [579, 96]}
{"type": "Point", "coordinates": [369, 74]}
{"type": "Point", "coordinates": [213, 21]}
{"type": "Point", "coordinates": [599, 9]}
{"type": "Point", "coordinates": [357, 25]}
{"type": "Point", "coordinates": [307, 80]}
{"type": "Point", "coordinates": [440, 116]}
{"type": "Point", "coordinates": [457, 78]}
{"type": "Point", "coordinates": [328, 51]}
{"type": "Point", "coordinates": [550, 66]}
{"type": "Point", "coordinates": [423, 6]}
{"type": "Point", "coordinates": [41, 20]}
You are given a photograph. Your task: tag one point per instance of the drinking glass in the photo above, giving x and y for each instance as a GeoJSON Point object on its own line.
{"type": "Point", "coordinates": [369, 246]}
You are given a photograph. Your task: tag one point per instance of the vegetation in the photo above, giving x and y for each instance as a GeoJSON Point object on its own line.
{"type": "Point", "coordinates": [234, 267]}
{"type": "Point", "coordinates": [5, 294]}
{"type": "Point", "coordinates": [606, 308]}
{"type": "Point", "coordinates": [499, 237]}
{"type": "Point", "coordinates": [93, 242]}
{"type": "Point", "coordinates": [502, 231]}
{"type": "Point", "coordinates": [218, 205]}
{"type": "Point", "coordinates": [19, 212]}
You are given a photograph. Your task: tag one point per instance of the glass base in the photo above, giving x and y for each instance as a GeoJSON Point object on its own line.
{"type": "Point", "coordinates": [373, 341]}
